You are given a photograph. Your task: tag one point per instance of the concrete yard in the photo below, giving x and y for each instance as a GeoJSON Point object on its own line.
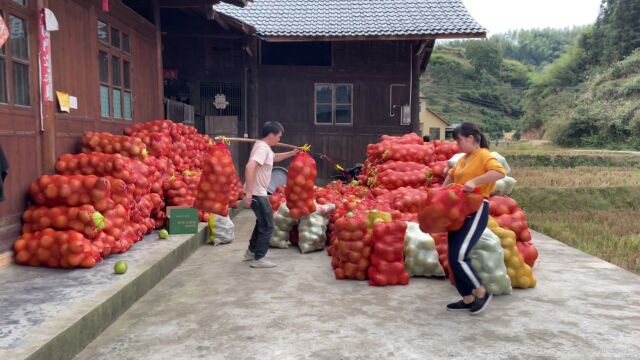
{"type": "Point", "coordinates": [213, 306]}
{"type": "Point", "coordinates": [54, 313]}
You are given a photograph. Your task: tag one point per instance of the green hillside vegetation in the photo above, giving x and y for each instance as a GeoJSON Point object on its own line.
{"type": "Point", "coordinates": [483, 81]}
{"type": "Point", "coordinates": [577, 87]}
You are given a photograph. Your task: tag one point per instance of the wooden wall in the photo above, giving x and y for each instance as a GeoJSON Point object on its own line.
{"type": "Point", "coordinates": [19, 137]}
{"type": "Point", "coordinates": [75, 71]}
{"type": "Point", "coordinates": [75, 68]}
{"type": "Point", "coordinates": [286, 94]}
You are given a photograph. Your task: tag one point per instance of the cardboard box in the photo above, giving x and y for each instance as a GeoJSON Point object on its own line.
{"type": "Point", "coordinates": [182, 220]}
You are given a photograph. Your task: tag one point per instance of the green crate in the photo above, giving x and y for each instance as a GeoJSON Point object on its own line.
{"type": "Point", "coordinates": [182, 220]}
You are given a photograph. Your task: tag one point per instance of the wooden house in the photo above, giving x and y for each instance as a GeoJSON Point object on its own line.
{"type": "Point", "coordinates": [106, 55]}
{"type": "Point", "coordinates": [336, 73]}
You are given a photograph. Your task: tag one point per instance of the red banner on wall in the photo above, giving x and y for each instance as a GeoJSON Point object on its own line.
{"type": "Point", "coordinates": [4, 32]}
{"type": "Point", "coordinates": [46, 84]}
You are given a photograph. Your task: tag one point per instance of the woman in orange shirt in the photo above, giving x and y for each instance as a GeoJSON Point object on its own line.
{"type": "Point", "coordinates": [476, 169]}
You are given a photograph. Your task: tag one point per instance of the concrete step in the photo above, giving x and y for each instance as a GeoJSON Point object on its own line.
{"type": "Point", "coordinates": [54, 313]}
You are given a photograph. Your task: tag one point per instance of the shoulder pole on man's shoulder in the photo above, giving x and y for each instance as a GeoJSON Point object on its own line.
{"type": "Point", "coordinates": [246, 140]}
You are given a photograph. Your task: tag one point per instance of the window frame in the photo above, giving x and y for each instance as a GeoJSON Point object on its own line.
{"type": "Point", "coordinates": [334, 103]}
{"type": "Point", "coordinates": [22, 12]}
{"type": "Point", "coordinates": [116, 54]}
{"type": "Point", "coordinates": [432, 129]}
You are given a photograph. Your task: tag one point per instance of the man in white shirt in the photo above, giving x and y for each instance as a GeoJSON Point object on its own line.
{"type": "Point", "coordinates": [257, 178]}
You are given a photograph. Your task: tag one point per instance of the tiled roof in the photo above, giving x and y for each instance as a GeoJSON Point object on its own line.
{"type": "Point", "coordinates": [348, 18]}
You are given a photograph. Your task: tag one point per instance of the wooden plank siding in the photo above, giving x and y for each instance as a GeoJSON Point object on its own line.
{"type": "Point", "coordinates": [19, 134]}
{"type": "Point", "coordinates": [75, 70]}
{"type": "Point", "coordinates": [286, 94]}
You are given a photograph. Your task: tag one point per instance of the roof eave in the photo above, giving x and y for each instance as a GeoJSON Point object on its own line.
{"type": "Point", "coordinates": [234, 22]}
{"type": "Point", "coordinates": [294, 38]}
{"type": "Point", "coordinates": [240, 3]}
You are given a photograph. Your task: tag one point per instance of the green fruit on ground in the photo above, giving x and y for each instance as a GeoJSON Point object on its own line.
{"type": "Point", "coordinates": [120, 267]}
{"type": "Point", "coordinates": [164, 234]}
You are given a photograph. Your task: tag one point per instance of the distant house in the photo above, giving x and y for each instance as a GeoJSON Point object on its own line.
{"type": "Point", "coordinates": [448, 132]}
{"type": "Point", "coordinates": [431, 123]}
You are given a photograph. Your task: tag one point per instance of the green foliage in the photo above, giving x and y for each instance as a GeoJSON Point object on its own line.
{"type": "Point", "coordinates": [632, 87]}
{"type": "Point", "coordinates": [616, 33]}
{"type": "Point", "coordinates": [568, 70]}
{"type": "Point", "coordinates": [581, 129]}
{"type": "Point", "coordinates": [578, 87]}
{"type": "Point", "coordinates": [448, 69]}
{"type": "Point", "coordinates": [537, 47]}
{"type": "Point", "coordinates": [515, 73]}
{"type": "Point", "coordinates": [628, 66]}
{"type": "Point", "coordinates": [484, 56]}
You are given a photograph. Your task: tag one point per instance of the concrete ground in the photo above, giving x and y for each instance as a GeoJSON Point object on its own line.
{"type": "Point", "coordinates": [214, 306]}
{"type": "Point", "coordinates": [54, 313]}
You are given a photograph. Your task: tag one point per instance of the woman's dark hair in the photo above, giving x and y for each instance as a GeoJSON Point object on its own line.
{"type": "Point", "coordinates": [271, 127]}
{"type": "Point", "coordinates": [468, 129]}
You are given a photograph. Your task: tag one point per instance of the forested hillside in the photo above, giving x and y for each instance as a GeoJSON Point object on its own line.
{"type": "Point", "coordinates": [575, 87]}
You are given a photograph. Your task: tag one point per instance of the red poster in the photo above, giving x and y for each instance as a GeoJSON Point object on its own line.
{"type": "Point", "coordinates": [45, 60]}
{"type": "Point", "coordinates": [4, 32]}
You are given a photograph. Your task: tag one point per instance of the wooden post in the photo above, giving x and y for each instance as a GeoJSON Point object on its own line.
{"type": "Point", "coordinates": [155, 4]}
{"type": "Point", "coordinates": [253, 92]}
{"type": "Point", "coordinates": [47, 107]}
{"type": "Point", "coordinates": [415, 94]}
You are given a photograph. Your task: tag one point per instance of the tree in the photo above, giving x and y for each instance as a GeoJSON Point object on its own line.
{"type": "Point", "coordinates": [515, 73]}
{"type": "Point", "coordinates": [484, 56]}
{"type": "Point", "coordinates": [616, 33]}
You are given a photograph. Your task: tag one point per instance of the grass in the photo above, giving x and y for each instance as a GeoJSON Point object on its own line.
{"type": "Point", "coordinates": [612, 235]}
{"type": "Point", "coordinates": [593, 208]}
{"type": "Point", "coordinates": [521, 148]}
{"type": "Point", "coordinates": [542, 154]}
{"type": "Point", "coordinates": [583, 176]}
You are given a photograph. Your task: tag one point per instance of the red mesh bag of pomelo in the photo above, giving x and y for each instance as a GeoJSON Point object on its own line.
{"type": "Point", "coordinates": [118, 166]}
{"type": "Point", "coordinates": [510, 216]}
{"type": "Point", "coordinates": [387, 258]}
{"type": "Point", "coordinates": [400, 166]}
{"type": "Point", "coordinates": [66, 249]}
{"type": "Point", "coordinates": [235, 192]}
{"type": "Point", "coordinates": [103, 142]}
{"type": "Point", "coordinates": [444, 150]}
{"type": "Point", "coordinates": [391, 179]}
{"type": "Point", "coordinates": [277, 198]}
{"type": "Point", "coordinates": [411, 138]}
{"type": "Point", "coordinates": [447, 207]}
{"type": "Point", "coordinates": [352, 249]}
{"type": "Point", "coordinates": [300, 191]}
{"type": "Point", "coordinates": [72, 190]}
{"type": "Point", "coordinates": [437, 169]}
{"type": "Point", "coordinates": [215, 182]}
{"type": "Point", "coordinates": [84, 219]}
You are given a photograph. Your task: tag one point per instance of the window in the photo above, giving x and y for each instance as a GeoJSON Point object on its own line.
{"type": "Point", "coordinates": [14, 60]}
{"type": "Point", "coordinates": [334, 104]}
{"type": "Point", "coordinates": [103, 32]}
{"type": "Point", "coordinates": [115, 38]}
{"type": "Point", "coordinates": [126, 45]}
{"type": "Point", "coordinates": [434, 133]}
{"type": "Point", "coordinates": [114, 59]}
